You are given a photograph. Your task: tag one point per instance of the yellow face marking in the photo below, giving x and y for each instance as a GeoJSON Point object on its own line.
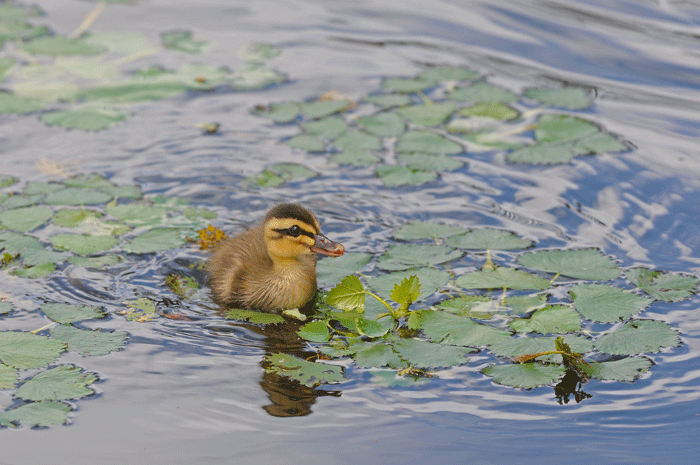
{"type": "Point", "coordinates": [285, 246]}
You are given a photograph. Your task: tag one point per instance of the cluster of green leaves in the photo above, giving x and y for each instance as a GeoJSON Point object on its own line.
{"type": "Point", "coordinates": [41, 399]}
{"type": "Point", "coordinates": [93, 223]}
{"type": "Point", "coordinates": [78, 82]}
{"type": "Point", "coordinates": [429, 137]}
{"type": "Point", "coordinates": [537, 335]}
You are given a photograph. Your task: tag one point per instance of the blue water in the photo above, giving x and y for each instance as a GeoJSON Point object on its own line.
{"type": "Point", "coordinates": [195, 393]}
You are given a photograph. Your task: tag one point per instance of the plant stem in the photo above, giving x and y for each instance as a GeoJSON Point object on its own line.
{"type": "Point", "coordinates": [391, 310]}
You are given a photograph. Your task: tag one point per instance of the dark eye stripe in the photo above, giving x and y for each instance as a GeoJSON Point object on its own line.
{"type": "Point", "coordinates": [293, 232]}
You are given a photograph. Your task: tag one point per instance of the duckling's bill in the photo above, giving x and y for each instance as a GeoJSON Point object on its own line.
{"type": "Point", "coordinates": [326, 246]}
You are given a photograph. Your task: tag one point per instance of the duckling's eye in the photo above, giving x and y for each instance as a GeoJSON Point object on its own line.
{"type": "Point", "coordinates": [294, 231]}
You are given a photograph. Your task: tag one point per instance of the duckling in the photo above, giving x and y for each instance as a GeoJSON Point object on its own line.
{"type": "Point", "coordinates": [273, 266]}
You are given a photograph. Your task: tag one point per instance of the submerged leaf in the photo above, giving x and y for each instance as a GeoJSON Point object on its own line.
{"type": "Point", "coordinates": [321, 108]}
{"type": "Point", "coordinates": [606, 304]}
{"type": "Point", "coordinates": [258, 318]}
{"type": "Point", "coordinates": [525, 375]}
{"type": "Point", "coordinates": [582, 263]}
{"type": "Point", "coordinates": [63, 382]}
{"type": "Point", "coordinates": [182, 42]}
{"type": "Point", "coordinates": [61, 46]}
{"type": "Point", "coordinates": [354, 139]}
{"type": "Point", "coordinates": [638, 336]}
{"type": "Point", "coordinates": [307, 373]}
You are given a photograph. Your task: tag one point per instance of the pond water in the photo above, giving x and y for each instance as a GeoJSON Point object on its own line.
{"type": "Point", "coordinates": [195, 391]}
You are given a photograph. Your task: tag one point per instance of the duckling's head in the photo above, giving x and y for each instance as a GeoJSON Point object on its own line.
{"type": "Point", "coordinates": [291, 231]}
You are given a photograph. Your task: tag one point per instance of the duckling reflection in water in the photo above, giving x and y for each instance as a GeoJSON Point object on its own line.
{"type": "Point", "coordinates": [272, 267]}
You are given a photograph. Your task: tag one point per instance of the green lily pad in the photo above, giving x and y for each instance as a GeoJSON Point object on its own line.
{"type": "Point", "coordinates": [427, 142]}
{"type": "Point", "coordinates": [402, 257]}
{"type": "Point", "coordinates": [18, 201]}
{"type": "Point", "coordinates": [525, 375]}
{"type": "Point", "coordinates": [581, 264]}
{"type": "Point", "coordinates": [155, 240]}
{"type": "Point", "coordinates": [327, 128]}
{"type": "Point", "coordinates": [322, 108]}
{"type": "Point", "coordinates": [182, 42]}
{"type": "Point", "coordinates": [661, 285]}
{"type": "Point", "coordinates": [553, 319]}
{"type": "Point", "coordinates": [61, 46]}
{"type": "Point", "coordinates": [63, 382]}
{"type": "Point", "coordinates": [5, 307]}
{"type": "Point", "coordinates": [333, 270]}
{"type": "Point", "coordinates": [88, 181]}
{"type": "Point", "coordinates": [389, 100]}
{"type": "Point", "coordinates": [45, 413]}
{"type": "Point", "coordinates": [425, 230]}
{"type": "Point", "coordinates": [137, 214]}
{"type": "Point", "coordinates": [376, 355]}
{"type": "Point", "coordinates": [606, 304]}
{"type": "Point", "coordinates": [626, 369]}
{"type": "Point", "coordinates": [354, 139]}
{"type": "Point", "coordinates": [429, 161]}
{"type": "Point", "coordinates": [73, 218]}
{"type": "Point", "coordinates": [283, 112]}
{"type": "Point", "coordinates": [571, 98]}
{"type": "Point", "coordinates": [393, 176]}
{"type": "Point", "coordinates": [492, 110]}
{"type": "Point", "coordinates": [451, 329]}
{"type": "Point", "coordinates": [600, 142]}
{"type": "Point", "coordinates": [35, 187]}
{"type": "Point", "coordinates": [8, 377]}
{"type": "Point", "coordinates": [36, 271]}
{"type": "Point", "coordinates": [545, 154]}
{"type": "Point", "coordinates": [428, 114]}
{"type": "Point", "coordinates": [25, 219]}
{"type": "Point", "coordinates": [472, 306]}
{"type": "Point", "coordinates": [502, 278]}
{"type": "Point", "coordinates": [524, 304]}
{"type": "Point", "coordinates": [307, 373]}
{"type": "Point", "coordinates": [425, 355]}
{"type": "Point", "coordinates": [306, 142]}
{"type": "Point", "coordinates": [488, 239]}
{"type": "Point", "coordinates": [11, 103]}
{"type": "Point", "coordinates": [34, 257]}
{"type": "Point", "coordinates": [98, 263]}
{"type": "Point", "coordinates": [563, 128]}
{"type": "Point", "coordinates": [513, 347]}
{"type": "Point", "coordinates": [87, 120]}
{"type": "Point", "coordinates": [26, 350]}
{"type": "Point", "coordinates": [83, 244]}
{"type": "Point", "coordinates": [355, 157]}
{"type": "Point", "coordinates": [638, 336]}
{"type": "Point", "coordinates": [430, 281]}
{"type": "Point", "coordinates": [315, 331]}
{"type": "Point", "coordinates": [77, 196]}
{"type": "Point", "coordinates": [132, 92]}
{"type": "Point", "coordinates": [68, 313]}
{"type": "Point", "coordinates": [258, 318]}
{"type": "Point", "coordinates": [89, 343]}
{"type": "Point", "coordinates": [384, 124]}
{"type": "Point", "coordinates": [408, 85]}
{"type": "Point", "coordinates": [448, 73]}
{"type": "Point", "coordinates": [483, 92]}
{"type": "Point", "coordinates": [14, 243]}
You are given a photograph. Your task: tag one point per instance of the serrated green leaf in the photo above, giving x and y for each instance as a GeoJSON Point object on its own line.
{"type": "Point", "coordinates": [447, 328]}
{"type": "Point", "coordinates": [376, 355]}
{"type": "Point", "coordinates": [34, 187]}
{"type": "Point", "coordinates": [87, 120]}
{"type": "Point", "coordinates": [571, 98]}
{"type": "Point", "coordinates": [332, 270]}
{"type": "Point", "coordinates": [283, 112]}
{"type": "Point", "coordinates": [404, 256]}
{"type": "Point", "coordinates": [73, 218]}
{"type": "Point", "coordinates": [600, 142]}
{"type": "Point", "coordinates": [349, 295]}
{"type": "Point", "coordinates": [259, 318]}
{"type": "Point", "coordinates": [425, 230]}
{"type": "Point", "coordinates": [322, 108]}
{"type": "Point", "coordinates": [315, 331]}
{"type": "Point", "coordinates": [370, 328]}
{"type": "Point", "coordinates": [306, 142]}
{"type": "Point", "coordinates": [525, 375]}
{"type": "Point", "coordinates": [393, 176]}
{"type": "Point", "coordinates": [406, 292]}
{"type": "Point", "coordinates": [582, 263]}
{"type": "Point", "coordinates": [354, 139]}
{"type": "Point", "coordinates": [428, 114]}
{"type": "Point", "coordinates": [77, 196]}
{"type": "Point", "coordinates": [524, 304]}
{"type": "Point", "coordinates": [563, 128]}
{"type": "Point", "coordinates": [553, 319]}
{"type": "Point", "coordinates": [513, 347]}
{"type": "Point", "coordinates": [69, 313]}
{"type": "Point", "coordinates": [389, 100]}
{"type": "Point", "coordinates": [427, 142]}
{"type": "Point", "coordinates": [502, 278]}
{"type": "Point", "coordinates": [25, 219]}
{"type": "Point", "coordinates": [26, 350]}
{"type": "Point", "coordinates": [18, 201]}
{"type": "Point", "coordinates": [8, 377]}
{"type": "Point", "coordinates": [155, 240]}
{"type": "Point", "coordinates": [430, 281]}
{"type": "Point", "coordinates": [638, 336]}
{"type": "Point", "coordinates": [384, 124]}
{"type": "Point", "coordinates": [473, 306]}
{"type": "Point", "coordinates": [43, 413]}
{"type": "Point", "coordinates": [307, 373]}
{"type": "Point", "coordinates": [89, 343]}
{"type": "Point", "coordinates": [422, 354]}
{"type": "Point", "coordinates": [606, 304]}
{"type": "Point", "coordinates": [36, 271]}
{"type": "Point", "coordinates": [138, 214]}
{"type": "Point", "coordinates": [545, 154]}
{"type": "Point", "coordinates": [492, 110]}
{"type": "Point", "coordinates": [483, 92]}
{"type": "Point", "coordinates": [661, 285]}
{"type": "Point", "coordinates": [626, 369]}
{"type": "Point", "coordinates": [327, 128]}
{"type": "Point", "coordinates": [355, 157]}
{"type": "Point", "coordinates": [83, 244]}
{"type": "Point", "coordinates": [488, 239]}
{"type": "Point", "coordinates": [63, 382]}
